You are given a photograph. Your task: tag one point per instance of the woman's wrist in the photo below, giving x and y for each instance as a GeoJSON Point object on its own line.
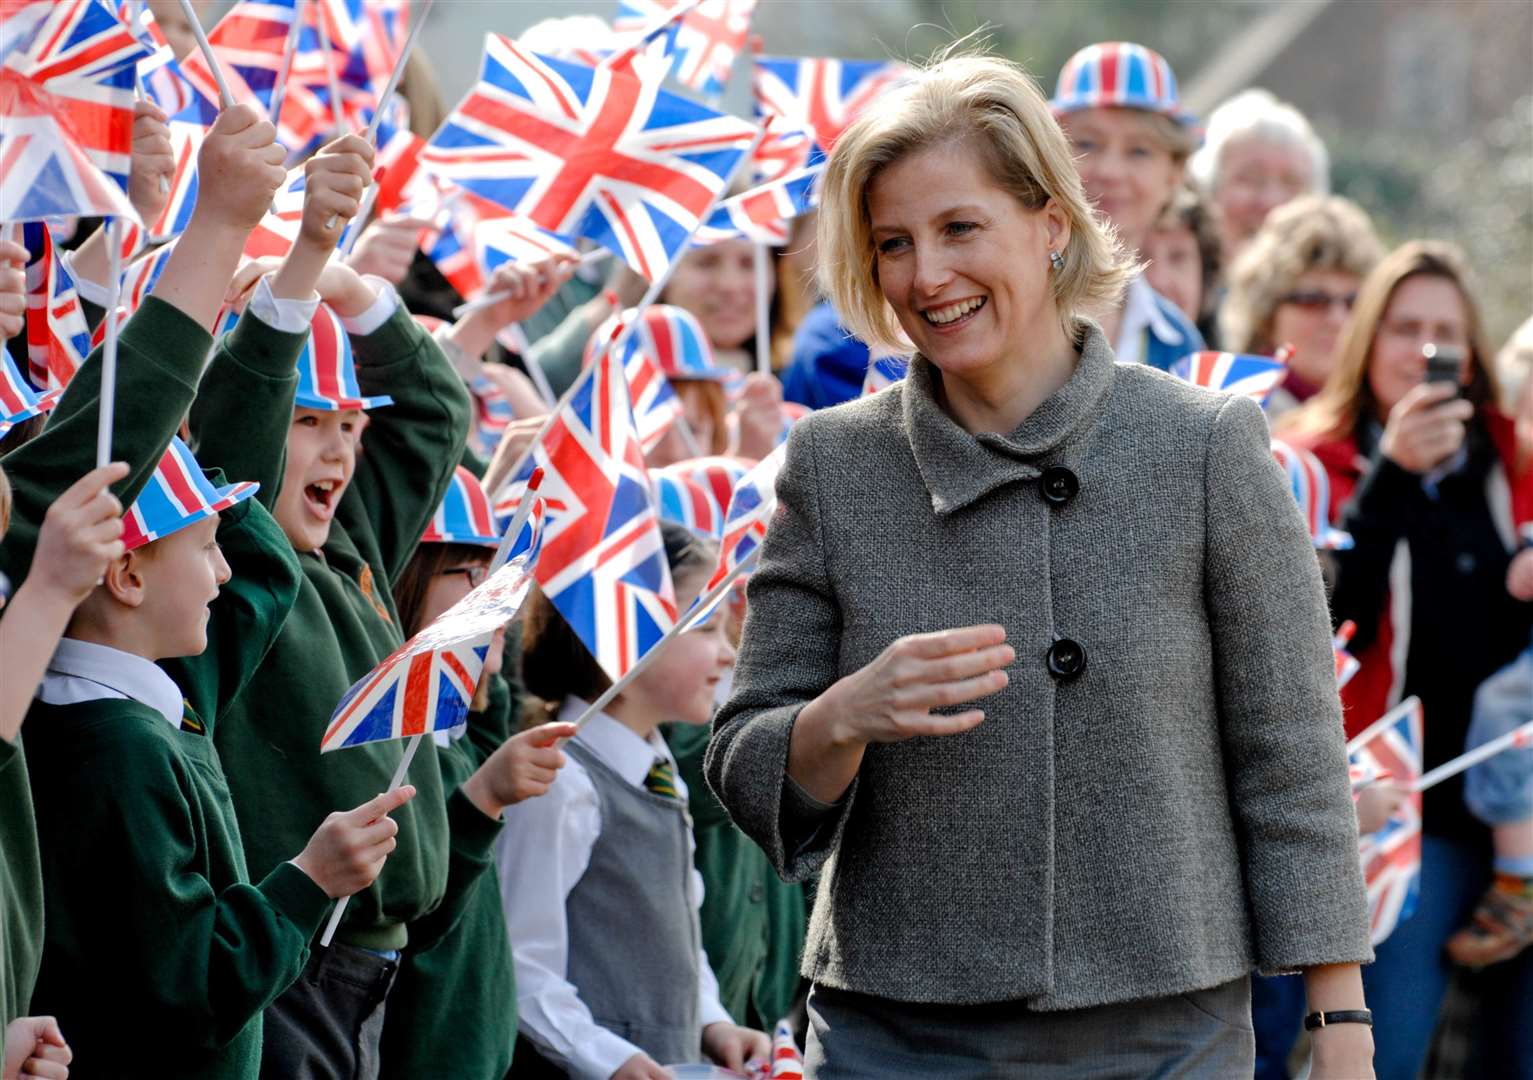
{"type": "Point", "coordinates": [824, 754]}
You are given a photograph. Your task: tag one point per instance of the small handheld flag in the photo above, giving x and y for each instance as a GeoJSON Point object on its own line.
{"type": "Point", "coordinates": [1254, 377]}
{"type": "Point", "coordinates": [1392, 856]}
{"type": "Point", "coordinates": [1311, 486]}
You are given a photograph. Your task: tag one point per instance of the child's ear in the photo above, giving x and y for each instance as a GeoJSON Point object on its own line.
{"type": "Point", "coordinates": [124, 579]}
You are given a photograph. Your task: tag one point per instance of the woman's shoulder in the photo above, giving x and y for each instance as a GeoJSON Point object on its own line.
{"type": "Point", "coordinates": [872, 416]}
{"type": "Point", "coordinates": [1155, 397]}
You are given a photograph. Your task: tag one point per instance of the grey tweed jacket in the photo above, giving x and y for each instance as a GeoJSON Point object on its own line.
{"type": "Point", "coordinates": [1164, 817]}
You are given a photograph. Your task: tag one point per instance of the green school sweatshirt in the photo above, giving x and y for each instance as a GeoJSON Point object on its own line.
{"type": "Point", "coordinates": [452, 1010]}
{"type": "Point", "coordinates": [21, 888]}
{"type": "Point", "coordinates": [344, 623]}
{"type": "Point", "coordinates": [753, 922]}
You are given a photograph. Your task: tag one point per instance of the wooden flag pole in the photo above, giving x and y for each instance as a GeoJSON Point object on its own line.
{"type": "Point", "coordinates": [1389, 719]}
{"type": "Point", "coordinates": [225, 98]}
{"type": "Point", "coordinates": [108, 394]}
{"type": "Point", "coordinates": [762, 259]}
{"type": "Point", "coordinates": [289, 47]}
{"type": "Point", "coordinates": [1519, 737]}
{"type": "Point", "coordinates": [683, 624]}
{"type": "Point", "coordinates": [649, 296]}
{"type": "Point", "coordinates": [502, 555]}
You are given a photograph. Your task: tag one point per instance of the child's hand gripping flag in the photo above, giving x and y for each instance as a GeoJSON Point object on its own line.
{"type": "Point", "coordinates": [428, 683]}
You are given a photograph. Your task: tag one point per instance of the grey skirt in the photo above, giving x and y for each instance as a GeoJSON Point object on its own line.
{"type": "Point", "coordinates": [1205, 1034]}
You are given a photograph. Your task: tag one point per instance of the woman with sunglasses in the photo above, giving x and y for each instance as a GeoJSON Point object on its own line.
{"type": "Point", "coordinates": [1294, 285]}
{"type": "Point", "coordinates": [1426, 477]}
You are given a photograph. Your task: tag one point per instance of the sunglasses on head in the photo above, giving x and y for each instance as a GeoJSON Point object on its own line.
{"type": "Point", "coordinates": [1318, 299]}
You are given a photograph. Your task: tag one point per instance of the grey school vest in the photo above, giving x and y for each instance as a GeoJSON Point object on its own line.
{"type": "Point", "coordinates": [633, 933]}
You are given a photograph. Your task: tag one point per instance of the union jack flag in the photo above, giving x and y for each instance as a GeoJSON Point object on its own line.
{"type": "Point", "coordinates": [750, 510]}
{"type": "Point", "coordinates": [278, 229]}
{"type": "Point", "coordinates": [761, 215]}
{"type": "Point", "coordinates": [603, 564]}
{"type": "Point", "coordinates": [1392, 856]}
{"type": "Point", "coordinates": [786, 148]}
{"type": "Point", "coordinates": [53, 166]}
{"type": "Point", "coordinates": [1347, 665]}
{"type": "Point", "coordinates": [58, 338]}
{"type": "Point", "coordinates": [178, 495]}
{"type": "Point", "coordinates": [159, 73]}
{"type": "Point", "coordinates": [822, 95]}
{"type": "Point", "coordinates": [366, 38]}
{"type": "Point", "coordinates": [1311, 486]}
{"type": "Point", "coordinates": [705, 44]}
{"type": "Point", "coordinates": [395, 167]}
{"type": "Point", "coordinates": [589, 152]}
{"type": "Point", "coordinates": [1254, 377]}
{"type": "Point", "coordinates": [18, 401]}
{"type": "Point", "coordinates": [884, 371]}
{"type": "Point", "coordinates": [656, 408]}
{"type": "Point", "coordinates": [185, 143]}
{"type": "Point", "coordinates": [427, 684]}
{"type": "Point", "coordinates": [509, 238]}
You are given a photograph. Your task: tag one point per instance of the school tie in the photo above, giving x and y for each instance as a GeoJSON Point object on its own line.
{"type": "Point", "coordinates": [189, 719]}
{"type": "Point", "coordinates": [662, 779]}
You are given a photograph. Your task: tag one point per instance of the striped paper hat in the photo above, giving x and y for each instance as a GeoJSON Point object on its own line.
{"type": "Point", "coordinates": [682, 499]}
{"type": "Point", "coordinates": [18, 401]}
{"type": "Point", "coordinates": [327, 373]}
{"type": "Point", "coordinates": [179, 494]}
{"type": "Point", "coordinates": [1121, 74]}
{"type": "Point", "coordinates": [465, 516]}
{"type": "Point", "coordinates": [670, 336]}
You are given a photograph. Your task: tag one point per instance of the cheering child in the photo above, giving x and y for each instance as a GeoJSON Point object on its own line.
{"type": "Point", "coordinates": [600, 891]}
{"type": "Point", "coordinates": [155, 920]}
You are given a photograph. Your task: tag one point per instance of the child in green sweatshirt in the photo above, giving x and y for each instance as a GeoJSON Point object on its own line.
{"type": "Point", "coordinates": [159, 955]}
{"type": "Point", "coordinates": [353, 507]}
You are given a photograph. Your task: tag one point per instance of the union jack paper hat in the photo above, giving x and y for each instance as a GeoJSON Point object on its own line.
{"type": "Point", "coordinates": [18, 401]}
{"type": "Point", "coordinates": [670, 336]}
{"type": "Point", "coordinates": [1119, 74]}
{"type": "Point", "coordinates": [465, 516]}
{"type": "Point", "coordinates": [327, 373]}
{"type": "Point", "coordinates": [179, 494]}
{"type": "Point", "coordinates": [681, 499]}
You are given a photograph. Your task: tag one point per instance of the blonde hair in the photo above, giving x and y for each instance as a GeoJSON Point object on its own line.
{"type": "Point", "coordinates": [1347, 400]}
{"type": "Point", "coordinates": [1313, 232]}
{"type": "Point", "coordinates": [997, 106]}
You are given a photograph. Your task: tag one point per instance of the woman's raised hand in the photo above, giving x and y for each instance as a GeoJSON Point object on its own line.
{"type": "Point", "coordinates": [1426, 427]}
{"type": "Point", "coordinates": [891, 699]}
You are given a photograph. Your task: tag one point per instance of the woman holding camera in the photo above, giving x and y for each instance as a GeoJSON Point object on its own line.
{"type": "Point", "coordinates": [1424, 467]}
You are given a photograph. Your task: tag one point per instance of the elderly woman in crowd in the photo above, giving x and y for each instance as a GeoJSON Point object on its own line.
{"type": "Point", "coordinates": [1258, 154]}
{"type": "Point", "coordinates": [1036, 672]}
{"type": "Point", "coordinates": [1429, 482]}
{"type": "Point", "coordinates": [1294, 285]}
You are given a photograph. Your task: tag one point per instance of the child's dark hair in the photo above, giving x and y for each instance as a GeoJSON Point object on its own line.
{"type": "Point", "coordinates": [555, 663]}
{"type": "Point", "coordinates": [428, 561]}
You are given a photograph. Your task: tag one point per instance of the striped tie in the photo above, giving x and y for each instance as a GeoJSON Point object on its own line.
{"type": "Point", "coordinates": [662, 779]}
{"type": "Point", "coordinates": [190, 720]}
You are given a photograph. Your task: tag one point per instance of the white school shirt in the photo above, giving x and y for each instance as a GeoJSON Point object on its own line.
{"type": "Point", "coordinates": [1141, 313]}
{"type": "Point", "coordinates": [84, 671]}
{"type": "Point", "coordinates": [541, 855]}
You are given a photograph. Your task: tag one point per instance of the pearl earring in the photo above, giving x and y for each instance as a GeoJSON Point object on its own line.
{"type": "Point", "coordinates": [1057, 261]}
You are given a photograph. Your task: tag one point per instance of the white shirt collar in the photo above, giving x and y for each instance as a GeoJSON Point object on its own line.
{"type": "Point", "coordinates": [618, 745]}
{"type": "Point", "coordinates": [116, 674]}
{"type": "Point", "coordinates": [1140, 311]}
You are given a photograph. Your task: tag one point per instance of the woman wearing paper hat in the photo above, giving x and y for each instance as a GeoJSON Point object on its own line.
{"type": "Point", "coordinates": [1118, 104]}
{"type": "Point", "coordinates": [1009, 682]}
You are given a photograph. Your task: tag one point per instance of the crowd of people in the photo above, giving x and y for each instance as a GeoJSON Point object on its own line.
{"type": "Point", "coordinates": [998, 784]}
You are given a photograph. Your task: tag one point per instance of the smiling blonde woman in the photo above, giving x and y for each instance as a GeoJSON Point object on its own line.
{"type": "Point", "coordinates": [1037, 672]}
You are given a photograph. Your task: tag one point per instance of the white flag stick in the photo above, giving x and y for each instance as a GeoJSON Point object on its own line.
{"type": "Point", "coordinates": [649, 297]}
{"type": "Point", "coordinates": [225, 98]}
{"type": "Point", "coordinates": [289, 47]}
{"type": "Point", "coordinates": [399, 778]}
{"type": "Point", "coordinates": [491, 299]}
{"type": "Point", "coordinates": [1520, 737]}
{"type": "Point", "coordinates": [108, 396]}
{"type": "Point", "coordinates": [357, 224]}
{"type": "Point", "coordinates": [502, 554]}
{"type": "Point", "coordinates": [763, 264]}
{"type": "Point", "coordinates": [1388, 720]}
{"type": "Point", "coordinates": [683, 624]}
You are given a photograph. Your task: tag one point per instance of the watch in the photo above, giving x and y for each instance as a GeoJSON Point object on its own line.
{"type": "Point", "coordinates": [1317, 1020]}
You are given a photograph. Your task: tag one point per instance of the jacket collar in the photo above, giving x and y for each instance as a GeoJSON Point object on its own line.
{"type": "Point", "coordinates": [959, 468]}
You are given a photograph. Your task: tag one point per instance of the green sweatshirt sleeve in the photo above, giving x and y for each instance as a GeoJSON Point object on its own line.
{"type": "Point", "coordinates": [241, 418]}
{"type": "Point", "coordinates": [410, 448]}
{"type": "Point", "coordinates": [472, 836]}
{"type": "Point", "coordinates": [251, 608]}
{"type": "Point", "coordinates": [159, 359]}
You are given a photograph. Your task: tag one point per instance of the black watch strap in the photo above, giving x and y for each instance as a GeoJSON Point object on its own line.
{"type": "Point", "coordinates": [1343, 1016]}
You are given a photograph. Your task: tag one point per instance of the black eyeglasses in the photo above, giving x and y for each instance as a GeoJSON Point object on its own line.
{"type": "Point", "coordinates": [475, 574]}
{"type": "Point", "coordinates": [1318, 299]}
